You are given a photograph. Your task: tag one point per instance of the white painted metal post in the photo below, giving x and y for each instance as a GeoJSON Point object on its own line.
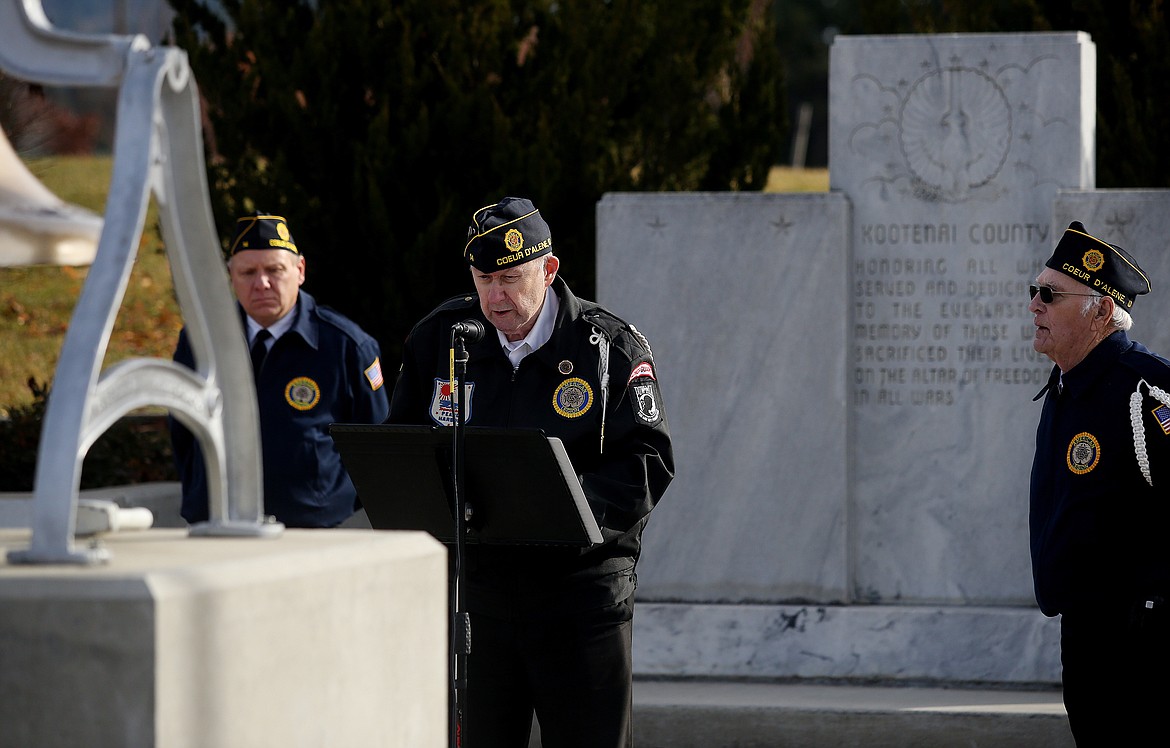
{"type": "Point", "coordinates": [158, 149]}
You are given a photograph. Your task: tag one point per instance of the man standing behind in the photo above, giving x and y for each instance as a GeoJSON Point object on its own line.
{"type": "Point", "coordinates": [550, 626]}
{"type": "Point", "coordinates": [313, 367]}
{"type": "Point", "coordinates": [1100, 495]}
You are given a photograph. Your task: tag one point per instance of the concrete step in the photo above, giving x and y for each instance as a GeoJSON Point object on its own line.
{"type": "Point", "coordinates": [734, 714]}
{"type": "Point", "coordinates": [712, 714]}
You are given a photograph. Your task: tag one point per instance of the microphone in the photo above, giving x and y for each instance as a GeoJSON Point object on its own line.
{"type": "Point", "coordinates": [471, 330]}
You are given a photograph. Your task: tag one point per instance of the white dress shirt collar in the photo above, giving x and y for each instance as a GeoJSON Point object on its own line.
{"type": "Point", "coordinates": [538, 335]}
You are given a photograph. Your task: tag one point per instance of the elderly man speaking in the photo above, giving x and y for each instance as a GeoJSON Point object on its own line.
{"type": "Point", "coordinates": [551, 626]}
{"type": "Point", "coordinates": [1100, 494]}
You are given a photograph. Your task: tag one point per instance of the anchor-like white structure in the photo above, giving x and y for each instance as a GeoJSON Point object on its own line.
{"type": "Point", "coordinates": [158, 150]}
{"type": "Point", "coordinates": [36, 226]}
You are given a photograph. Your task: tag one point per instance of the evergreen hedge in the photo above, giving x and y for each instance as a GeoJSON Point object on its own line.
{"type": "Point", "coordinates": [377, 127]}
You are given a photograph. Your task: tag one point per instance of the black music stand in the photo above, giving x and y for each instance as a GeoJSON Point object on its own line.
{"type": "Point", "coordinates": [403, 478]}
{"type": "Point", "coordinates": [403, 475]}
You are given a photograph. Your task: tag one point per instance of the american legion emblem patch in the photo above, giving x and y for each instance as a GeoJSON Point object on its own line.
{"type": "Point", "coordinates": [1084, 452]}
{"type": "Point", "coordinates": [573, 398]}
{"type": "Point", "coordinates": [302, 393]}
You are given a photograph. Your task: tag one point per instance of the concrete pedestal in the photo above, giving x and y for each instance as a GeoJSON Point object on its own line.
{"type": "Point", "coordinates": [315, 638]}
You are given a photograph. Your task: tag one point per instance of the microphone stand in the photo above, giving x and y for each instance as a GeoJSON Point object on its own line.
{"type": "Point", "coordinates": [460, 619]}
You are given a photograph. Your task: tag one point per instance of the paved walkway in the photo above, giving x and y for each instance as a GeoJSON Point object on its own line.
{"type": "Point", "coordinates": [698, 714]}
{"type": "Point", "coordinates": [724, 714]}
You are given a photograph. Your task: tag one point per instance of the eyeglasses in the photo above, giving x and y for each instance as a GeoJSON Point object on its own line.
{"type": "Point", "coordinates": [1047, 295]}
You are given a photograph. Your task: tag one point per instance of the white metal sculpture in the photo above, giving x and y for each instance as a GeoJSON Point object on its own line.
{"type": "Point", "coordinates": [36, 226]}
{"type": "Point", "coordinates": [158, 149]}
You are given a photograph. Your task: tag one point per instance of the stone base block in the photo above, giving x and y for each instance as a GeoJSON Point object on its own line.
{"type": "Point", "coordinates": [954, 645]}
{"type": "Point", "coordinates": [315, 638]}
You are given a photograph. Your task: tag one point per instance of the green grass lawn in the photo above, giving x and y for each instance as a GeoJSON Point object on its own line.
{"type": "Point", "coordinates": [36, 303]}
{"type": "Point", "coordinates": [787, 179]}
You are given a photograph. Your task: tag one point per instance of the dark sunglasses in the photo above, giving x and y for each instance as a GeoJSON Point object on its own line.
{"type": "Point", "coordinates": [1047, 295]}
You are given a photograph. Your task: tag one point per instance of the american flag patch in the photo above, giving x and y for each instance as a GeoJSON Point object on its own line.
{"type": "Point", "coordinates": [374, 374]}
{"type": "Point", "coordinates": [1162, 413]}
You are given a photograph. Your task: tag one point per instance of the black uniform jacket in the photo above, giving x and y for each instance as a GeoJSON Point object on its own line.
{"type": "Point", "coordinates": [557, 389]}
{"type": "Point", "coordinates": [1098, 528]}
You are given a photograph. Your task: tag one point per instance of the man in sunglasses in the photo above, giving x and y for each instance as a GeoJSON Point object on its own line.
{"type": "Point", "coordinates": [1100, 492]}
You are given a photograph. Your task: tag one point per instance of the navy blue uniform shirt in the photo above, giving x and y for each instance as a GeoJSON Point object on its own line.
{"type": "Point", "coordinates": [324, 370]}
{"type": "Point", "coordinates": [1098, 528]}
